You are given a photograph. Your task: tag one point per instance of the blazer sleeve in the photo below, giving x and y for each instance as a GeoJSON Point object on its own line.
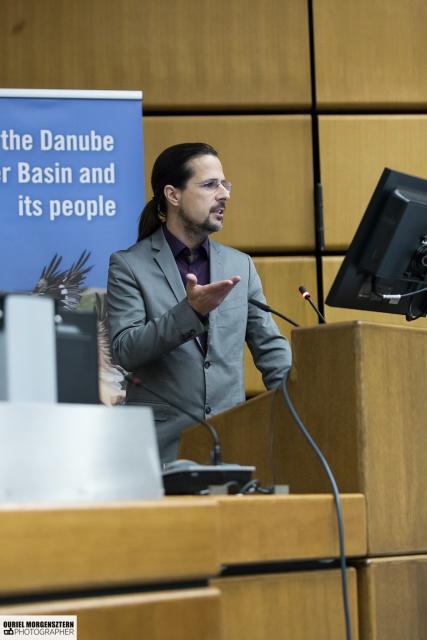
{"type": "Point", "coordinates": [136, 340]}
{"type": "Point", "coordinates": [271, 351]}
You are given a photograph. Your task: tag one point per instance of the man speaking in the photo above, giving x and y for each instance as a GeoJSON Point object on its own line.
{"type": "Point", "coordinates": [178, 305]}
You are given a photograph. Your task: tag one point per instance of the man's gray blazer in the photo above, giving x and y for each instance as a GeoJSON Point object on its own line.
{"type": "Point", "coordinates": [153, 332]}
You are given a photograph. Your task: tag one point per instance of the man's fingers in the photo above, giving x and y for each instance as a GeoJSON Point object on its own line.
{"type": "Point", "coordinates": [224, 284]}
{"type": "Point", "coordinates": [191, 280]}
{"type": "Point", "coordinates": [205, 298]}
{"type": "Point", "coordinates": [218, 288]}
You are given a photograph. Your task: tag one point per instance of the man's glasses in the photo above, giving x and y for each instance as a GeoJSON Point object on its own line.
{"type": "Point", "coordinates": [214, 184]}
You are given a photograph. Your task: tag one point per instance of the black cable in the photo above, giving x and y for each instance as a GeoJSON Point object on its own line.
{"type": "Point", "coordinates": [249, 487]}
{"type": "Point", "coordinates": [254, 486]}
{"type": "Point", "coordinates": [410, 315]}
{"type": "Point", "coordinates": [337, 500]}
{"type": "Point", "coordinates": [216, 451]}
{"type": "Point", "coordinates": [316, 164]}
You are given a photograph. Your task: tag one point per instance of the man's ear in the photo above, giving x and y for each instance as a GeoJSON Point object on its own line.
{"type": "Point", "coordinates": [172, 195]}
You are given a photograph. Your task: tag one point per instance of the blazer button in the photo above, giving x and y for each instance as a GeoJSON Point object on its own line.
{"type": "Point", "coordinates": [207, 364]}
{"type": "Point", "coordinates": [207, 410]}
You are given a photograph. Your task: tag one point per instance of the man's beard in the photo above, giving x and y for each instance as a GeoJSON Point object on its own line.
{"type": "Point", "coordinates": [205, 227]}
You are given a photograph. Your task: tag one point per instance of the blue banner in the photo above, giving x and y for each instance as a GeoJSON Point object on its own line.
{"type": "Point", "coordinates": [71, 183]}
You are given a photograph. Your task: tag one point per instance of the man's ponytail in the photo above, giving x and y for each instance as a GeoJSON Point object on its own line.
{"type": "Point", "coordinates": [150, 220]}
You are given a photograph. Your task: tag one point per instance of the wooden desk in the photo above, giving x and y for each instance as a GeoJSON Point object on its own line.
{"type": "Point", "coordinates": [287, 528]}
{"type": "Point", "coordinates": [179, 614]}
{"type": "Point", "coordinates": [58, 549]}
{"type": "Point", "coordinates": [87, 556]}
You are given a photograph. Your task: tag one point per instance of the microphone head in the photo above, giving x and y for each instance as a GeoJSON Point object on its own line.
{"type": "Point", "coordinates": [303, 291]}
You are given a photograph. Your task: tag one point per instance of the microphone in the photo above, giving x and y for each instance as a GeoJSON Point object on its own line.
{"type": "Point", "coordinates": [188, 477]}
{"type": "Point", "coordinates": [305, 294]}
{"type": "Point", "coordinates": [266, 307]}
{"type": "Point", "coordinates": [216, 456]}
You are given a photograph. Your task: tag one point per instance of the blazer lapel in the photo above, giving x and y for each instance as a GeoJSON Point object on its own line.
{"type": "Point", "coordinates": [164, 258]}
{"type": "Point", "coordinates": [216, 272]}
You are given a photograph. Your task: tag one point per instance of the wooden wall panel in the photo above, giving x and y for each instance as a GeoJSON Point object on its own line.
{"type": "Point", "coordinates": [330, 266]}
{"type": "Point", "coordinates": [392, 598]}
{"type": "Point", "coordinates": [187, 54]}
{"type": "Point", "coordinates": [267, 158]}
{"type": "Point", "coordinates": [281, 278]}
{"type": "Point", "coordinates": [353, 152]}
{"type": "Point", "coordinates": [371, 53]}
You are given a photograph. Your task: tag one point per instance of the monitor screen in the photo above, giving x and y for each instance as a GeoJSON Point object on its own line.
{"type": "Point", "coordinates": [388, 254]}
{"type": "Point", "coordinates": [77, 357]}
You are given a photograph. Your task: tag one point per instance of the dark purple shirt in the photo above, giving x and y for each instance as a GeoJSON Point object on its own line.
{"type": "Point", "coordinates": [187, 262]}
{"type": "Point", "coordinates": [196, 262]}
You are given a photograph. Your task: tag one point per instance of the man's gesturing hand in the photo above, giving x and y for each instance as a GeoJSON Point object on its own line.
{"type": "Point", "coordinates": [206, 298]}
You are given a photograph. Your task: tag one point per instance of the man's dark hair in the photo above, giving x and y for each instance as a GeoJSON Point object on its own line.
{"type": "Point", "coordinates": [171, 167]}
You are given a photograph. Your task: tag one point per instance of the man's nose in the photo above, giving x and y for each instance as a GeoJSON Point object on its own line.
{"type": "Point", "coordinates": [223, 193]}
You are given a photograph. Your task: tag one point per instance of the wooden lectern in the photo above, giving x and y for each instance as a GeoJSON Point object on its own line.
{"type": "Point", "coordinates": [361, 390]}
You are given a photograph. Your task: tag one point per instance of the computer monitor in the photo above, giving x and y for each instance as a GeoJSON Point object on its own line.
{"type": "Point", "coordinates": [77, 357]}
{"type": "Point", "coordinates": [388, 254]}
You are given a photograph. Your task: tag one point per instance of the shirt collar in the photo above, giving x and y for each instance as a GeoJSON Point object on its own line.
{"type": "Point", "coordinates": [177, 246]}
